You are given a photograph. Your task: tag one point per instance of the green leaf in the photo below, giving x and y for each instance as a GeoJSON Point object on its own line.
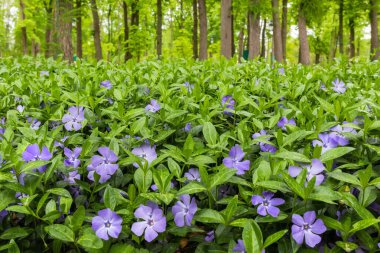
{"type": "Point", "coordinates": [335, 153]}
{"type": "Point", "coordinates": [274, 238]}
{"type": "Point", "coordinates": [325, 194]}
{"type": "Point", "coordinates": [78, 218]}
{"type": "Point", "coordinates": [7, 197]}
{"type": "Point", "coordinates": [351, 201]}
{"type": "Point", "coordinates": [239, 222]}
{"type": "Point", "coordinates": [347, 246]}
{"type": "Point", "coordinates": [222, 176]}
{"type": "Point", "coordinates": [294, 156]}
{"type": "Point", "coordinates": [18, 209]}
{"type": "Point", "coordinates": [230, 209]}
{"type": "Point", "coordinates": [209, 132]}
{"type": "Point", "coordinates": [293, 184]}
{"type": "Point", "coordinates": [344, 177]}
{"type": "Point", "coordinates": [289, 139]}
{"type": "Point", "coordinates": [252, 237]}
{"type": "Point", "coordinates": [60, 232]}
{"type": "Point", "coordinates": [332, 223]}
{"type": "Point", "coordinates": [363, 224]}
{"type": "Point", "coordinates": [15, 232]}
{"type": "Point", "coordinates": [188, 147]}
{"type": "Point", "coordinates": [110, 197]}
{"type": "Point", "coordinates": [209, 216]}
{"type": "Point", "coordinates": [60, 192]}
{"type": "Point", "coordinates": [33, 165]}
{"type": "Point", "coordinates": [89, 240]}
{"type": "Point", "coordinates": [191, 188]}
{"type": "Point", "coordinates": [274, 185]}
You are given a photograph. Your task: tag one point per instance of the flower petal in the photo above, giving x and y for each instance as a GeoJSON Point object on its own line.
{"type": "Point", "coordinates": [139, 227]}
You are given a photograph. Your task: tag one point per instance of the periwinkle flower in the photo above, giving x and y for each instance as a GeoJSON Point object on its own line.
{"type": "Point", "coordinates": [264, 147]}
{"type": "Point", "coordinates": [315, 169]}
{"type": "Point", "coordinates": [193, 175]}
{"type": "Point", "coordinates": [154, 221]}
{"type": "Point", "coordinates": [73, 119]}
{"type": "Point", "coordinates": [2, 124]}
{"type": "Point", "coordinates": [323, 87]}
{"type": "Point", "coordinates": [72, 176]}
{"type": "Point", "coordinates": [104, 165]}
{"type": "Point", "coordinates": [72, 157]}
{"type": "Point", "coordinates": [267, 204]}
{"type": "Point", "coordinates": [281, 71]}
{"type": "Point", "coordinates": [3, 214]}
{"type": "Point", "coordinates": [187, 127]}
{"type": "Point", "coordinates": [229, 103]}
{"type": "Point", "coordinates": [154, 106]}
{"type": "Point", "coordinates": [60, 143]}
{"type": "Point", "coordinates": [307, 228]}
{"type": "Point", "coordinates": [339, 86]}
{"type": "Point", "coordinates": [44, 73]}
{"type": "Point", "coordinates": [146, 152]}
{"type": "Point", "coordinates": [184, 210]}
{"type": "Point", "coordinates": [285, 121]}
{"type": "Point", "coordinates": [107, 223]}
{"type": "Point", "coordinates": [210, 236]}
{"type": "Point", "coordinates": [34, 123]}
{"type": "Point", "coordinates": [20, 108]}
{"type": "Point", "coordinates": [33, 153]}
{"type": "Point", "coordinates": [327, 141]}
{"type": "Point", "coordinates": [106, 84]}
{"type": "Point", "coordinates": [234, 160]}
{"type": "Point", "coordinates": [188, 86]}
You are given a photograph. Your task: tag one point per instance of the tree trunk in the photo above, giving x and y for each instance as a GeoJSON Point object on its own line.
{"type": "Point", "coordinates": [48, 31]}
{"type": "Point", "coordinates": [340, 32]}
{"type": "Point", "coordinates": [358, 47]}
{"type": "Point", "coordinates": [241, 44]}
{"type": "Point", "coordinates": [135, 22]}
{"type": "Point", "coordinates": [79, 29]}
{"type": "Point", "coordinates": [195, 29]}
{"type": "Point", "coordinates": [159, 28]}
{"type": "Point", "coordinates": [284, 26]}
{"type": "Point", "coordinates": [96, 25]}
{"type": "Point", "coordinates": [277, 44]}
{"type": "Point", "coordinates": [24, 38]}
{"type": "Point", "coordinates": [202, 30]}
{"type": "Point", "coordinates": [262, 55]}
{"type": "Point", "coordinates": [232, 32]}
{"type": "Point", "coordinates": [226, 29]}
{"type": "Point", "coordinates": [351, 24]}
{"type": "Point", "coordinates": [128, 54]}
{"type": "Point", "coordinates": [375, 52]}
{"type": "Point", "coordinates": [254, 31]}
{"type": "Point", "coordinates": [304, 52]}
{"type": "Point", "coordinates": [65, 28]}
{"type": "Point", "coordinates": [317, 58]}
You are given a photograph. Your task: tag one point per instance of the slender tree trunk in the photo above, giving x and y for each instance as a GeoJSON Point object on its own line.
{"type": "Point", "coordinates": [375, 52]}
{"type": "Point", "coordinates": [241, 43]}
{"type": "Point", "coordinates": [159, 28]}
{"type": "Point", "coordinates": [304, 52]}
{"type": "Point", "coordinates": [65, 28]}
{"type": "Point", "coordinates": [262, 55]}
{"type": "Point", "coordinates": [127, 55]}
{"type": "Point", "coordinates": [226, 29]}
{"type": "Point", "coordinates": [277, 44]}
{"type": "Point", "coordinates": [317, 57]}
{"type": "Point", "coordinates": [340, 32]}
{"type": "Point", "coordinates": [351, 24]}
{"type": "Point", "coordinates": [48, 31]}
{"type": "Point", "coordinates": [195, 29]}
{"type": "Point", "coordinates": [358, 47]}
{"type": "Point", "coordinates": [96, 25]}
{"type": "Point", "coordinates": [202, 30]}
{"type": "Point", "coordinates": [232, 32]}
{"type": "Point", "coordinates": [284, 26]}
{"type": "Point", "coordinates": [182, 17]}
{"type": "Point", "coordinates": [79, 29]}
{"type": "Point", "coordinates": [135, 22]}
{"type": "Point", "coordinates": [254, 31]}
{"type": "Point", "coordinates": [24, 38]}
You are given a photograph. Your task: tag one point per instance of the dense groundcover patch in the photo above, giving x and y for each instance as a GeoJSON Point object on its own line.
{"type": "Point", "coordinates": [189, 157]}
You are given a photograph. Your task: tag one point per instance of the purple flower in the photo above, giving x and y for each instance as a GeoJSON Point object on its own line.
{"type": "Point", "coordinates": [284, 121]}
{"type": "Point", "coordinates": [264, 147]}
{"type": "Point", "coordinates": [339, 86]}
{"type": "Point", "coordinates": [267, 204]}
{"type": "Point", "coordinates": [239, 247]}
{"type": "Point", "coordinates": [106, 224]}
{"type": "Point", "coordinates": [44, 73]}
{"type": "Point", "coordinates": [184, 210]}
{"type": "Point", "coordinates": [188, 86]}
{"type": "Point", "coordinates": [315, 169]}
{"type": "Point", "coordinates": [20, 108]}
{"type": "Point", "coordinates": [323, 87]}
{"type": "Point", "coordinates": [327, 141]}
{"type": "Point", "coordinates": [72, 176]}
{"type": "Point", "coordinates": [193, 175]}
{"type": "Point", "coordinates": [234, 161]}
{"type": "Point", "coordinates": [34, 123]}
{"type": "Point", "coordinates": [154, 106]}
{"type": "Point", "coordinates": [73, 119]}
{"type": "Point", "coordinates": [154, 221]}
{"type": "Point", "coordinates": [2, 129]}
{"type": "Point", "coordinates": [225, 190]}
{"type": "Point", "coordinates": [146, 152]}
{"type": "Point", "coordinates": [106, 84]}
{"type": "Point", "coordinates": [72, 157]}
{"type": "Point", "coordinates": [187, 127]}
{"type": "Point", "coordinates": [104, 165]}
{"type": "Point", "coordinates": [210, 236]}
{"type": "Point", "coordinates": [61, 142]}
{"type": "Point", "coordinates": [308, 228]}
{"type": "Point", "coordinates": [33, 153]}
{"type": "Point", "coordinates": [281, 71]}
{"type": "Point", "coordinates": [229, 102]}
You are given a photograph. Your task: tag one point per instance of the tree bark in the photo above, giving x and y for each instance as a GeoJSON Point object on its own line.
{"type": "Point", "coordinates": [317, 58]}
{"type": "Point", "coordinates": [48, 30]}
{"type": "Point", "coordinates": [351, 24]}
{"type": "Point", "coordinates": [226, 29]}
{"type": "Point", "coordinates": [284, 26]}
{"type": "Point", "coordinates": [159, 28]}
{"type": "Point", "coordinates": [195, 29]}
{"type": "Point", "coordinates": [128, 54]}
{"type": "Point", "coordinates": [24, 38]}
{"type": "Point", "coordinates": [254, 31]}
{"type": "Point", "coordinates": [202, 30]}
{"type": "Point", "coordinates": [232, 32]}
{"type": "Point", "coordinates": [79, 29]}
{"type": "Point", "coordinates": [135, 22]}
{"type": "Point", "coordinates": [96, 25]}
{"type": "Point", "coordinates": [340, 32]}
{"type": "Point", "coordinates": [262, 55]}
{"type": "Point", "coordinates": [241, 44]}
{"type": "Point", "coordinates": [375, 52]}
{"type": "Point", "coordinates": [277, 44]}
{"type": "Point", "coordinates": [304, 52]}
{"type": "Point", "coordinates": [65, 29]}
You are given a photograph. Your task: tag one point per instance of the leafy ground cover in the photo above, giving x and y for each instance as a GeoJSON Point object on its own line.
{"type": "Point", "coordinates": [189, 157]}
